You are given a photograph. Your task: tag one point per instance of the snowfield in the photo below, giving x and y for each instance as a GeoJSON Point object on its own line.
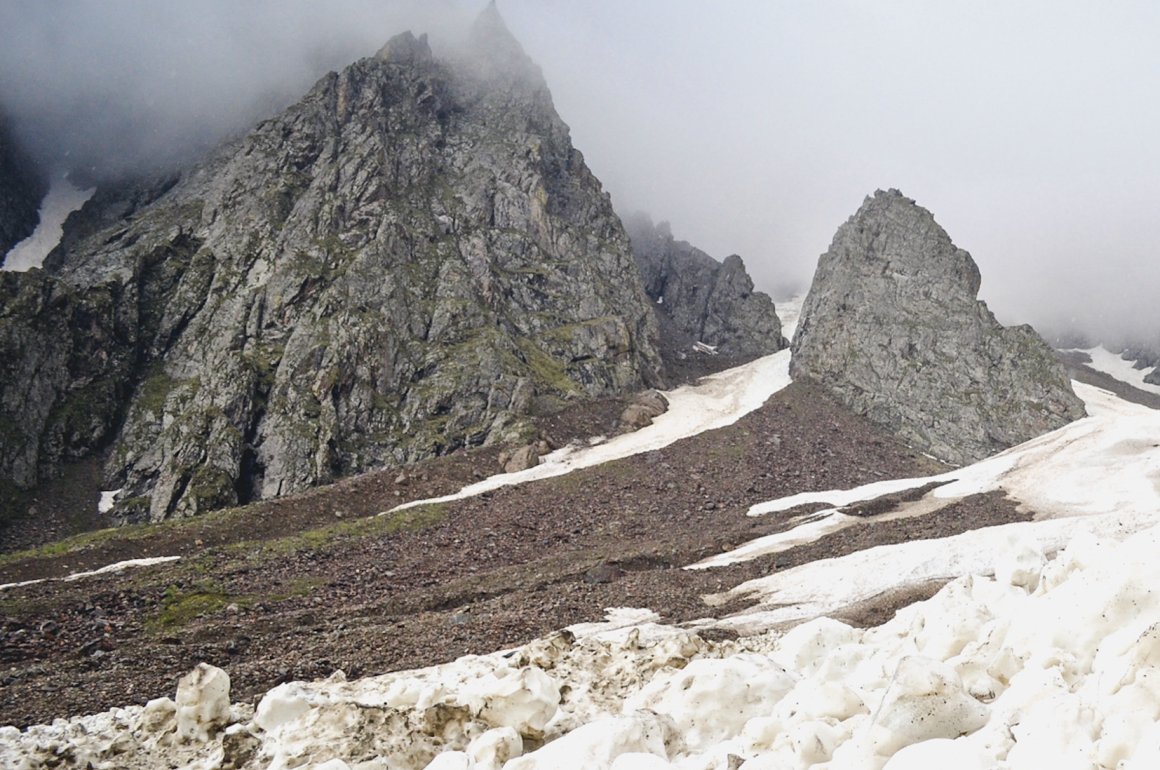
{"type": "Point", "coordinates": [1042, 650]}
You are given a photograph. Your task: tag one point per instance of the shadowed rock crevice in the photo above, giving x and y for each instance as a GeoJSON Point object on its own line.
{"type": "Point", "coordinates": [22, 187]}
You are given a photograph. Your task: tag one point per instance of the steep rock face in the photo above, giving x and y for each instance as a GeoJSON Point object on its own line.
{"type": "Point", "coordinates": [405, 262]}
{"type": "Point", "coordinates": [893, 328]}
{"type": "Point", "coordinates": [21, 190]}
{"type": "Point", "coordinates": [65, 359]}
{"type": "Point", "coordinates": [713, 302]}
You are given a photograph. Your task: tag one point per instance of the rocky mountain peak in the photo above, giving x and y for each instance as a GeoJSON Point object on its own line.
{"type": "Point", "coordinates": [893, 327]}
{"type": "Point", "coordinates": [405, 48]}
{"type": "Point", "coordinates": [498, 54]}
{"type": "Point", "coordinates": [410, 260]}
{"type": "Point", "coordinates": [905, 235]}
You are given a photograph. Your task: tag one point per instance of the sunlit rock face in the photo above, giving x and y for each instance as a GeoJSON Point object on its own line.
{"type": "Point", "coordinates": [407, 261]}
{"type": "Point", "coordinates": [892, 326]}
{"type": "Point", "coordinates": [21, 189]}
{"type": "Point", "coordinates": [712, 302]}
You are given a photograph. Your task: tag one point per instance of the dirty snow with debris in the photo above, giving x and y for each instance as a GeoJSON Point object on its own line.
{"type": "Point", "coordinates": [1042, 650]}
{"type": "Point", "coordinates": [1047, 660]}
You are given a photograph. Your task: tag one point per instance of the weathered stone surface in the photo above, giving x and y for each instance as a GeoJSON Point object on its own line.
{"type": "Point", "coordinates": [403, 263]}
{"type": "Point", "coordinates": [893, 328]}
{"type": "Point", "coordinates": [65, 361]}
{"type": "Point", "coordinates": [521, 459]}
{"type": "Point", "coordinates": [21, 190]}
{"type": "Point", "coordinates": [713, 302]}
{"type": "Point", "coordinates": [643, 408]}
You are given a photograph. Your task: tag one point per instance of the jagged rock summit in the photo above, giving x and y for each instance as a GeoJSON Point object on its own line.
{"type": "Point", "coordinates": [893, 328]}
{"type": "Point", "coordinates": [411, 259]}
{"type": "Point", "coordinates": [711, 302]}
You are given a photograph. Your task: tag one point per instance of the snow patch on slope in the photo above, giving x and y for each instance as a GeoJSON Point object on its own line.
{"type": "Point", "coordinates": [714, 402]}
{"type": "Point", "coordinates": [120, 566]}
{"type": "Point", "coordinates": [63, 198]}
{"type": "Point", "coordinates": [1119, 368]}
{"type": "Point", "coordinates": [1108, 462]}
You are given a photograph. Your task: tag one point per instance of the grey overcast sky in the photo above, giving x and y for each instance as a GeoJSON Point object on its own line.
{"type": "Point", "coordinates": [1031, 129]}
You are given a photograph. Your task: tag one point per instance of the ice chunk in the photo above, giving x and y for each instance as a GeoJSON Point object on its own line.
{"type": "Point", "coordinates": [638, 761]}
{"type": "Point", "coordinates": [334, 764]}
{"type": "Point", "coordinates": [925, 700]}
{"type": "Point", "coordinates": [203, 703]}
{"type": "Point", "coordinates": [1020, 564]}
{"type": "Point", "coordinates": [598, 743]}
{"type": "Point", "coordinates": [495, 747]}
{"type": "Point", "coordinates": [941, 753]}
{"type": "Point", "coordinates": [281, 705]}
{"type": "Point", "coordinates": [452, 760]}
{"type": "Point", "coordinates": [712, 699]}
{"type": "Point", "coordinates": [525, 699]}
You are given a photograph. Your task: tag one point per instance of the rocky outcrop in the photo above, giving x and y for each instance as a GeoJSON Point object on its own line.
{"type": "Point", "coordinates": [712, 302]}
{"type": "Point", "coordinates": [66, 359]}
{"type": "Point", "coordinates": [21, 190]}
{"type": "Point", "coordinates": [892, 327]}
{"type": "Point", "coordinates": [409, 260]}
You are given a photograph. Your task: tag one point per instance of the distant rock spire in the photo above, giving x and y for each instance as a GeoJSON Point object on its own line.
{"type": "Point", "coordinates": [497, 51]}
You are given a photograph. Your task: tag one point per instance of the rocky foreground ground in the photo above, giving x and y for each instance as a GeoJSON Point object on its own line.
{"type": "Point", "coordinates": [304, 586]}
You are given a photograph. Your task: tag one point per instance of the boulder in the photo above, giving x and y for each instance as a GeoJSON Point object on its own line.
{"type": "Point", "coordinates": [521, 459]}
{"type": "Point", "coordinates": [642, 409]}
{"type": "Point", "coordinates": [893, 328]}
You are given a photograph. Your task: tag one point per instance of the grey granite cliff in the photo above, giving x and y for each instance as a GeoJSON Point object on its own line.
{"type": "Point", "coordinates": [411, 259]}
{"type": "Point", "coordinates": [893, 328]}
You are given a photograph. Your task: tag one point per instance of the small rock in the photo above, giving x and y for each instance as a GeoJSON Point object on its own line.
{"type": "Point", "coordinates": [635, 417]}
{"type": "Point", "coordinates": [604, 573]}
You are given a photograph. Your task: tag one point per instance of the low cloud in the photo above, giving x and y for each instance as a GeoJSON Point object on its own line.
{"type": "Point", "coordinates": [1028, 129]}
